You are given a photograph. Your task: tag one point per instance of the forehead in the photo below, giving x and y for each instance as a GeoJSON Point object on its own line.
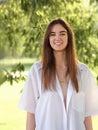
{"type": "Point", "coordinates": [57, 28]}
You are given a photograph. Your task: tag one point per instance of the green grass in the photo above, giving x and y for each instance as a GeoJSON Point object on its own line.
{"type": "Point", "coordinates": [11, 117]}
{"type": "Point", "coordinates": [9, 63]}
{"type": "Point", "coordinates": [95, 123]}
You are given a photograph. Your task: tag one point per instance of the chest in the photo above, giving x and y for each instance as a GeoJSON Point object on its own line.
{"type": "Point", "coordinates": [63, 82]}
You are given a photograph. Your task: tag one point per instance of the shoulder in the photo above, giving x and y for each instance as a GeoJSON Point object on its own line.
{"type": "Point", "coordinates": [83, 67]}
{"type": "Point", "coordinates": [85, 77]}
{"type": "Point", "coordinates": [85, 71]}
{"type": "Point", "coordinates": [37, 66]}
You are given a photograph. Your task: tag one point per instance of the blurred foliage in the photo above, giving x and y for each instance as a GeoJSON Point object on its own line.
{"type": "Point", "coordinates": [11, 21]}
{"type": "Point", "coordinates": [22, 26]}
{"type": "Point", "coordinates": [15, 74]}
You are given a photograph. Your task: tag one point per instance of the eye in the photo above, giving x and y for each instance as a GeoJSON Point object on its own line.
{"type": "Point", "coordinates": [52, 34]}
{"type": "Point", "coordinates": [62, 34]}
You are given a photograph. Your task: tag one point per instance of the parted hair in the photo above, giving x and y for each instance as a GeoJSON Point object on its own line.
{"type": "Point", "coordinates": [48, 59]}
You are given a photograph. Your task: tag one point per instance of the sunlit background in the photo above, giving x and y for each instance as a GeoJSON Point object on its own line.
{"type": "Point", "coordinates": [22, 25]}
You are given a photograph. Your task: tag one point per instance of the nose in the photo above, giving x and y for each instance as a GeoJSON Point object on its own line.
{"type": "Point", "coordinates": [57, 37]}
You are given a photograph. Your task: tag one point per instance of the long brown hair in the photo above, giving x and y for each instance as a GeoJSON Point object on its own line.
{"type": "Point", "coordinates": [48, 59]}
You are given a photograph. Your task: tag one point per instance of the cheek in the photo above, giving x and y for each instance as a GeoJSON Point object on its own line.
{"type": "Point", "coordinates": [66, 40]}
{"type": "Point", "coordinates": [51, 43]}
{"type": "Point", "coordinates": [50, 40]}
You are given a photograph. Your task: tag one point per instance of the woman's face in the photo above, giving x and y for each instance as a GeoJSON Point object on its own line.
{"type": "Point", "coordinates": [58, 38]}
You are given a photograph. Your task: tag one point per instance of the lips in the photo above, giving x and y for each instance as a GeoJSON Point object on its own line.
{"type": "Point", "coordinates": [58, 43]}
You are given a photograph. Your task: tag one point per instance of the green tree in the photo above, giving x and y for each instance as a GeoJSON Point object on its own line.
{"type": "Point", "coordinates": [82, 17]}
{"type": "Point", "coordinates": [11, 23]}
{"type": "Point", "coordinates": [23, 24]}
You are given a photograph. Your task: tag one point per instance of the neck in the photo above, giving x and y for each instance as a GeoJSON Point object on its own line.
{"type": "Point", "coordinates": [60, 59]}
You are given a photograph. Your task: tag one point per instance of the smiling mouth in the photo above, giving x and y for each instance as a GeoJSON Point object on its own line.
{"type": "Point", "coordinates": [58, 43]}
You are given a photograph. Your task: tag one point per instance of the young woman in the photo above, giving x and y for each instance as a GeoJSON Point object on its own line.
{"type": "Point", "coordinates": [60, 92]}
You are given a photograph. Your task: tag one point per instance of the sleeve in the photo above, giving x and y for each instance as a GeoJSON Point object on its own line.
{"type": "Point", "coordinates": [91, 95]}
{"type": "Point", "coordinates": [28, 98]}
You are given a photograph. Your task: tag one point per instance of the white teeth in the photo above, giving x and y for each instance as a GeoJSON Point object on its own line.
{"type": "Point", "coordinates": [57, 43]}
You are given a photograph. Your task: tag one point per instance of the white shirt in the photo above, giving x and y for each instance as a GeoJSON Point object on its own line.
{"type": "Point", "coordinates": [48, 106]}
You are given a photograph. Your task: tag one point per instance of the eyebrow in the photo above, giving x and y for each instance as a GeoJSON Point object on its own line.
{"type": "Point", "coordinates": [60, 32]}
